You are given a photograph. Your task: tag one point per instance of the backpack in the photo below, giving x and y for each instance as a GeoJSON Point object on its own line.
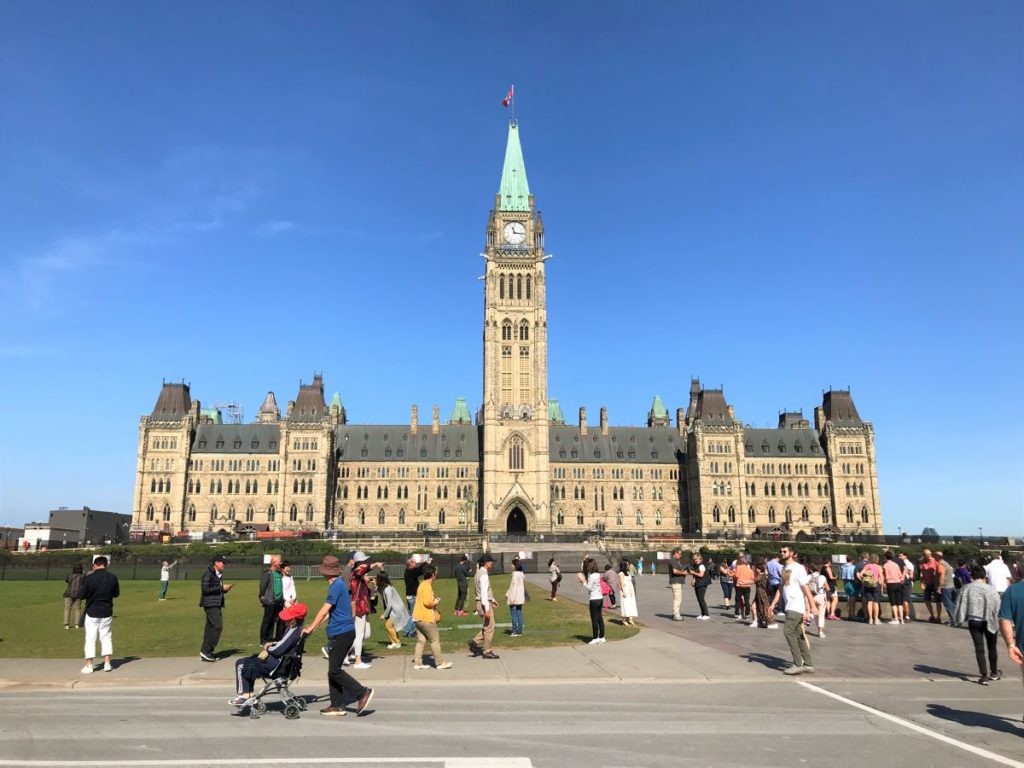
{"type": "Point", "coordinates": [813, 584]}
{"type": "Point", "coordinates": [867, 578]}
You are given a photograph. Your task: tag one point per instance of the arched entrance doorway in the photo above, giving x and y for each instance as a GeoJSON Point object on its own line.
{"type": "Point", "coordinates": [516, 522]}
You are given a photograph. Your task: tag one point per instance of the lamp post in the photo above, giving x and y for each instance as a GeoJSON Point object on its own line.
{"type": "Point", "coordinates": [899, 529]}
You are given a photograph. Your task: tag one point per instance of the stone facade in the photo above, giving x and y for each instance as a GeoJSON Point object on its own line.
{"type": "Point", "coordinates": [518, 467]}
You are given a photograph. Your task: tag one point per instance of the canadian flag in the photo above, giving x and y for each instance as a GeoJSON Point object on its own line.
{"type": "Point", "coordinates": [508, 97]}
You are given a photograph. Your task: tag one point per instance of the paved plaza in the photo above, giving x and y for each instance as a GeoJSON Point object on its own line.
{"type": "Point", "coordinates": [704, 693]}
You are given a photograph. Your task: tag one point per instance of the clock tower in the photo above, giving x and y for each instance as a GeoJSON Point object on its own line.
{"type": "Point", "coordinates": [515, 406]}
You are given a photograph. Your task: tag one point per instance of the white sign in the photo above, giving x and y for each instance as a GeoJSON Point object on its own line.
{"type": "Point", "coordinates": [664, 555]}
{"type": "Point", "coordinates": [266, 559]}
{"type": "Point", "coordinates": [526, 554]}
{"type": "Point", "coordinates": [420, 558]}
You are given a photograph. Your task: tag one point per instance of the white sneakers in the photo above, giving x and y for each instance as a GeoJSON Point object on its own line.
{"type": "Point", "coordinates": [446, 665]}
{"type": "Point", "coordinates": [87, 669]}
{"type": "Point", "coordinates": [773, 625]}
{"type": "Point", "coordinates": [703, 618]}
{"type": "Point", "coordinates": [361, 665]}
{"type": "Point", "coordinates": [392, 646]}
{"type": "Point", "coordinates": [596, 641]}
{"type": "Point", "coordinates": [421, 666]}
{"type": "Point", "coordinates": [107, 667]}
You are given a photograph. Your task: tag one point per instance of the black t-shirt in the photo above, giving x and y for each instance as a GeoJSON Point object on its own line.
{"type": "Point", "coordinates": [99, 590]}
{"type": "Point", "coordinates": [412, 579]}
{"type": "Point", "coordinates": [675, 564]}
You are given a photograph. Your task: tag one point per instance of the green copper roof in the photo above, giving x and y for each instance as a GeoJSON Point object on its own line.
{"type": "Point", "coordinates": [555, 412]}
{"type": "Point", "coordinates": [460, 413]}
{"type": "Point", "coordinates": [515, 190]}
{"type": "Point", "coordinates": [658, 408]}
{"type": "Point", "coordinates": [214, 414]}
{"type": "Point", "coordinates": [336, 401]}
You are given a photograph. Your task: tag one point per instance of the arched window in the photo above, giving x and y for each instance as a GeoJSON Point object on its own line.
{"type": "Point", "coordinates": [250, 514]}
{"type": "Point", "coordinates": [751, 516]}
{"type": "Point", "coordinates": [789, 515]}
{"type": "Point", "coordinates": [160, 486]}
{"type": "Point", "coordinates": [440, 517]}
{"type": "Point", "coordinates": [190, 485]}
{"type": "Point", "coordinates": [167, 513]}
{"type": "Point", "coordinates": [362, 517]}
{"type": "Point", "coordinates": [255, 486]}
{"type": "Point", "coordinates": [271, 513]}
{"type": "Point", "coordinates": [381, 517]}
{"type": "Point", "coordinates": [861, 489]}
{"type": "Point", "coordinates": [560, 517]}
{"type": "Point", "coordinates": [579, 517]}
{"type": "Point", "coordinates": [191, 513]}
{"type": "Point", "coordinates": [149, 512]}
{"type": "Point", "coordinates": [618, 517]}
{"type": "Point", "coordinates": [524, 331]}
{"type": "Point", "coordinates": [293, 514]}
{"type": "Point", "coordinates": [506, 330]}
{"type": "Point", "coordinates": [199, 488]}
{"type": "Point", "coordinates": [309, 513]}
{"type": "Point", "coordinates": [401, 517]}
{"type": "Point", "coordinates": [295, 486]}
{"type": "Point", "coordinates": [771, 515]}
{"type": "Point", "coordinates": [519, 287]}
{"type": "Point", "coordinates": [849, 515]}
{"type": "Point", "coordinates": [213, 512]}
{"type": "Point", "coordinates": [716, 515]}
{"type": "Point", "coordinates": [805, 514]}
{"type": "Point", "coordinates": [732, 515]}
{"type": "Point", "coordinates": [826, 518]}
{"type": "Point", "coordinates": [231, 512]}
{"type": "Point", "coordinates": [657, 517]}
{"type": "Point", "coordinates": [515, 454]}
{"type": "Point", "coordinates": [863, 514]}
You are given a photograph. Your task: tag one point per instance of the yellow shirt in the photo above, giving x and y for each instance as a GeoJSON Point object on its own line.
{"type": "Point", "coordinates": [424, 608]}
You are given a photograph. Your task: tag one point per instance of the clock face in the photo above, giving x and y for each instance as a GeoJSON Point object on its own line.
{"type": "Point", "coordinates": [515, 232]}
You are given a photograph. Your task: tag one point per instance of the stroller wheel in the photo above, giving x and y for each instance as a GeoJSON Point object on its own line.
{"type": "Point", "coordinates": [257, 708]}
{"type": "Point", "coordinates": [301, 704]}
{"type": "Point", "coordinates": [292, 712]}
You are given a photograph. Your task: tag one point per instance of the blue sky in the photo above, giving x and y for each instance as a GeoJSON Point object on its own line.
{"type": "Point", "coordinates": [777, 198]}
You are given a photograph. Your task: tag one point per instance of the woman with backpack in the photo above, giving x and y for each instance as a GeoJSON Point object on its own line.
{"type": "Point", "coordinates": [73, 597]}
{"type": "Point", "coordinates": [395, 614]}
{"type": "Point", "coordinates": [701, 581]}
{"type": "Point", "coordinates": [870, 577]}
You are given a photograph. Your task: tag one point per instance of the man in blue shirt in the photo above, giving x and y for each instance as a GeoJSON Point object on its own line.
{"type": "Point", "coordinates": [775, 569]}
{"type": "Point", "coordinates": [850, 584]}
{"type": "Point", "coordinates": [341, 635]}
{"type": "Point", "coordinates": [1011, 622]}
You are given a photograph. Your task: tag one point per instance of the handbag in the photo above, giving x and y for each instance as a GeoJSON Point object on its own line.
{"type": "Point", "coordinates": [437, 616]}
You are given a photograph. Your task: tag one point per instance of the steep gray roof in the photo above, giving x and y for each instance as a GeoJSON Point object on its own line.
{"type": "Point", "coordinates": [640, 445]}
{"type": "Point", "coordinates": [712, 408]}
{"type": "Point", "coordinates": [839, 408]}
{"type": "Point", "coordinates": [174, 402]}
{"type": "Point", "coordinates": [790, 443]}
{"type": "Point", "coordinates": [374, 442]}
{"type": "Point", "coordinates": [237, 438]}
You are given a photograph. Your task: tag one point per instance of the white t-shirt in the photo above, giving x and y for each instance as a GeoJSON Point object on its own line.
{"type": "Point", "coordinates": [793, 578]}
{"type": "Point", "coordinates": [998, 574]}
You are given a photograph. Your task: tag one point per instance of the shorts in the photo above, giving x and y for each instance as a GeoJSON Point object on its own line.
{"type": "Point", "coordinates": [849, 588]}
{"type": "Point", "coordinates": [870, 594]}
{"type": "Point", "coordinates": [895, 593]}
{"type": "Point", "coordinates": [930, 593]}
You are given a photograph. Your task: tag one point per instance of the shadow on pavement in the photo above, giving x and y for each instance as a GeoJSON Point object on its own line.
{"type": "Point", "coordinates": [115, 662]}
{"type": "Point", "coordinates": [772, 662]}
{"type": "Point", "coordinates": [977, 719]}
{"type": "Point", "coordinates": [227, 653]}
{"type": "Point", "coordinates": [925, 669]}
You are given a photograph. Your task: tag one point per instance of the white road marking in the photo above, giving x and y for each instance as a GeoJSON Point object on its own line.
{"type": "Point", "coordinates": [441, 762]}
{"type": "Point", "coordinates": [915, 727]}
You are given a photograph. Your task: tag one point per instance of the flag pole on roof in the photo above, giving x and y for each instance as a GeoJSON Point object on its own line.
{"type": "Point", "coordinates": [510, 98]}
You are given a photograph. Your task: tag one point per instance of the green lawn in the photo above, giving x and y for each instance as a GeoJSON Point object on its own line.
{"type": "Point", "coordinates": [145, 627]}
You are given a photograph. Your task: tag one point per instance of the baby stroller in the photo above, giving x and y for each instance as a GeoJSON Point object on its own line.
{"type": "Point", "coordinates": [287, 672]}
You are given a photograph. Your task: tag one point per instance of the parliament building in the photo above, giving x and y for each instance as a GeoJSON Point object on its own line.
{"type": "Point", "coordinates": [515, 467]}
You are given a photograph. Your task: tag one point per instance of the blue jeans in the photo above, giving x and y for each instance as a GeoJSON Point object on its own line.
{"type": "Point", "coordinates": [410, 628]}
{"type": "Point", "coordinates": [517, 619]}
{"type": "Point", "coordinates": [947, 602]}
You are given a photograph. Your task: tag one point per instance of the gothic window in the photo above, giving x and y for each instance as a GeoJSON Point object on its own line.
{"type": "Point", "coordinates": [213, 512]}
{"type": "Point", "coordinates": [639, 518]}
{"type": "Point", "coordinates": [657, 517]}
{"type": "Point", "coordinates": [805, 514]}
{"type": "Point", "coordinates": [501, 287]}
{"type": "Point", "coordinates": [789, 515]}
{"type": "Point", "coordinates": [716, 514]}
{"type": "Point", "coordinates": [771, 515]}
{"type": "Point", "coordinates": [440, 517]}
{"type": "Point", "coordinates": [506, 351]}
{"type": "Point", "coordinates": [766, 489]}
{"type": "Point", "coordinates": [401, 517]}
{"type": "Point", "coordinates": [149, 512]}
{"type": "Point", "coordinates": [529, 287]}
{"type": "Point", "coordinates": [190, 485]}
{"type": "Point", "coordinates": [295, 486]}
{"type": "Point", "coordinates": [293, 514]}
{"type": "Point", "coordinates": [362, 517]}
{"type": "Point", "coordinates": [751, 516]}
{"type": "Point", "coordinates": [191, 513]}
{"type": "Point", "coordinates": [255, 486]}
{"type": "Point", "coordinates": [309, 513]}
{"type": "Point", "coordinates": [579, 517]}
{"type": "Point", "coordinates": [560, 517]}
{"type": "Point", "coordinates": [515, 454]}
{"type": "Point", "coordinates": [618, 517]}
{"type": "Point", "coordinates": [381, 517]}
{"type": "Point", "coordinates": [271, 513]}
{"type": "Point", "coordinates": [826, 518]}
{"type": "Point", "coordinates": [860, 490]}
{"type": "Point", "coordinates": [863, 514]}
{"type": "Point", "coordinates": [248, 487]}
{"type": "Point", "coordinates": [506, 331]}
{"type": "Point", "coordinates": [732, 515]}
{"type": "Point", "coordinates": [524, 331]}
{"type": "Point", "coordinates": [519, 287]}
{"type": "Point", "coordinates": [231, 512]}
{"type": "Point", "coordinates": [249, 514]}
{"type": "Point", "coordinates": [849, 515]}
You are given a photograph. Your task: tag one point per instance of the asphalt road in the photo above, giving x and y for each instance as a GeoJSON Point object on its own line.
{"type": "Point", "coordinates": [547, 726]}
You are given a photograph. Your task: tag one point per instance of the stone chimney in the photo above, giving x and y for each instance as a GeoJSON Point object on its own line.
{"type": "Point", "coordinates": [604, 421]}
{"type": "Point", "coordinates": [414, 421]}
{"type": "Point", "coordinates": [291, 407]}
{"type": "Point", "coordinates": [819, 419]}
{"type": "Point", "coordinates": [435, 423]}
{"type": "Point", "coordinates": [583, 421]}
{"type": "Point", "coordinates": [732, 412]}
{"type": "Point", "coordinates": [680, 422]}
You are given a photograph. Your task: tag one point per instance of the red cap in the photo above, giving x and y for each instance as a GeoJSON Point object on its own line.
{"type": "Point", "coordinates": [293, 611]}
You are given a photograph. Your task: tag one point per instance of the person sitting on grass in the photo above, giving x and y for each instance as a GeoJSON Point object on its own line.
{"type": "Point", "coordinates": [266, 662]}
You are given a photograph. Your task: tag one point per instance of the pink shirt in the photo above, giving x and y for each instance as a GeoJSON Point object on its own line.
{"type": "Point", "coordinates": [893, 575]}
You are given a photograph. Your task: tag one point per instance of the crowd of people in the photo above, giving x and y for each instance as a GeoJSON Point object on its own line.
{"type": "Point", "coordinates": [759, 592]}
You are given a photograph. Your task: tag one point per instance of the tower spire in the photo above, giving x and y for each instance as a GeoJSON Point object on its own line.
{"type": "Point", "coordinates": [514, 192]}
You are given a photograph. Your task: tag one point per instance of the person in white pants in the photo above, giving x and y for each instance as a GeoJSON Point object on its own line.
{"type": "Point", "coordinates": [99, 589]}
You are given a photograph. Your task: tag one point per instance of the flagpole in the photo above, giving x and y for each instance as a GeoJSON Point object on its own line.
{"type": "Point", "coordinates": [514, 104]}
